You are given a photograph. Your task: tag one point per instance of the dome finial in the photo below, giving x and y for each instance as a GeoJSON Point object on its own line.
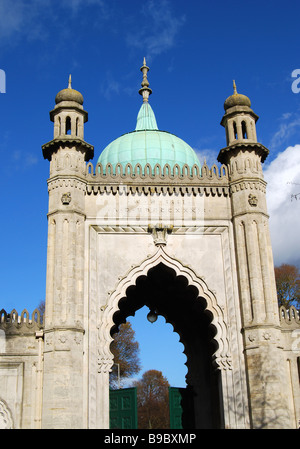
{"type": "Point", "coordinates": [234, 88]}
{"type": "Point", "coordinates": [69, 94]}
{"type": "Point", "coordinates": [145, 91]}
{"type": "Point", "coordinates": [236, 99]}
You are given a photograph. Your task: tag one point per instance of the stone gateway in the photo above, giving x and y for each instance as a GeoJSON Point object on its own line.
{"type": "Point", "coordinates": [148, 225]}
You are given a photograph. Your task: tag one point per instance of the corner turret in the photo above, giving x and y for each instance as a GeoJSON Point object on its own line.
{"type": "Point", "coordinates": [68, 117]}
{"type": "Point", "coordinates": [239, 122]}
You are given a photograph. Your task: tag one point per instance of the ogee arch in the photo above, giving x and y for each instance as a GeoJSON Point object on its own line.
{"type": "Point", "coordinates": [221, 357]}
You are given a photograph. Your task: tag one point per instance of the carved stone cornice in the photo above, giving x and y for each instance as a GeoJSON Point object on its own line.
{"type": "Point", "coordinates": [181, 230]}
{"type": "Point", "coordinates": [259, 149]}
{"type": "Point", "coordinates": [161, 180]}
{"type": "Point", "coordinates": [206, 190]}
{"type": "Point", "coordinates": [248, 184]}
{"type": "Point", "coordinates": [65, 212]}
{"type": "Point", "coordinates": [67, 141]}
{"type": "Point", "coordinates": [157, 174]}
{"type": "Point", "coordinates": [75, 181]}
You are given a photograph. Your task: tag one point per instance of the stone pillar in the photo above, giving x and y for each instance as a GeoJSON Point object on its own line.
{"type": "Point", "coordinates": [65, 401]}
{"type": "Point", "coordinates": [63, 390]}
{"type": "Point", "coordinates": [63, 379]}
{"type": "Point", "coordinates": [255, 269]}
{"type": "Point", "coordinates": [102, 420]}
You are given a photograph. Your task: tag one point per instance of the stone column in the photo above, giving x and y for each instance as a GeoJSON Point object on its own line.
{"type": "Point", "coordinates": [63, 390]}
{"type": "Point", "coordinates": [63, 351]}
{"type": "Point", "coordinates": [65, 373]}
{"type": "Point", "coordinates": [260, 319]}
{"type": "Point", "coordinates": [102, 398]}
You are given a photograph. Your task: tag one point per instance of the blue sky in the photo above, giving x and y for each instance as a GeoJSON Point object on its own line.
{"type": "Point", "coordinates": [194, 49]}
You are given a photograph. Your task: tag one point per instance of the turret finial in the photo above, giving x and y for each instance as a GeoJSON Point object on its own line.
{"type": "Point", "coordinates": [145, 91]}
{"type": "Point", "coordinates": [234, 88]}
{"type": "Point", "coordinates": [70, 82]}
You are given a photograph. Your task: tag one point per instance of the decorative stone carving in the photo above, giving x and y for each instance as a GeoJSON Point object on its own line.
{"type": "Point", "coordinates": [104, 364]}
{"type": "Point", "coordinates": [159, 234]}
{"type": "Point", "coordinates": [6, 421]}
{"type": "Point", "coordinates": [62, 339]}
{"type": "Point", "coordinates": [253, 200]}
{"type": "Point", "coordinates": [66, 198]}
{"type": "Point", "coordinates": [267, 336]}
{"type": "Point", "coordinates": [223, 363]}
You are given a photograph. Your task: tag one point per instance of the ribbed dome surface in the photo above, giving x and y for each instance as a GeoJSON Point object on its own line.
{"type": "Point", "coordinates": [148, 145]}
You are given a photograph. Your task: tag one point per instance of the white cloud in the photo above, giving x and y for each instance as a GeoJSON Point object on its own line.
{"type": "Point", "coordinates": [21, 18]}
{"type": "Point", "coordinates": [208, 155]}
{"type": "Point", "coordinates": [159, 30]}
{"type": "Point", "coordinates": [75, 7]}
{"type": "Point", "coordinates": [110, 86]}
{"type": "Point", "coordinates": [283, 178]}
{"type": "Point", "coordinates": [30, 19]}
{"type": "Point", "coordinates": [24, 161]}
{"type": "Point", "coordinates": [289, 123]}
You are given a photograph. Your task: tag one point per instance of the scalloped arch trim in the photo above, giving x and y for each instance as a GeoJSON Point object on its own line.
{"type": "Point", "coordinates": [6, 420]}
{"type": "Point", "coordinates": [221, 357]}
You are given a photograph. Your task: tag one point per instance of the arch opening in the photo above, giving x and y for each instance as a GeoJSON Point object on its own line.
{"type": "Point", "coordinates": [235, 133]}
{"type": "Point", "coordinates": [180, 303]}
{"type": "Point", "coordinates": [244, 130]}
{"type": "Point", "coordinates": [68, 125]}
{"type": "Point", "coordinates": [77, 126]}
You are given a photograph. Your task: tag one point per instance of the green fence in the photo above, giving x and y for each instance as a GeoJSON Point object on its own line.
{"type": "Point", "coordinates": [181, 406]}
{"type": "Point", "coordinates": [123, 409]}
{"type": "Point", "coordinates": [175, 407]}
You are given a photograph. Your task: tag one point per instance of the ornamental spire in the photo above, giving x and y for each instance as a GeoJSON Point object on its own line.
{"type": "Point", "coordinates": [234, 88]}
{"type": "Point", "coordinates": [70, 82]}
{"type": "Point", "coordinates": [145, 91]}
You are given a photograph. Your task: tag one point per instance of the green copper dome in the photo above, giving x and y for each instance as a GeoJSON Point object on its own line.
{"type": "Point", "coordinates": [147, 144]}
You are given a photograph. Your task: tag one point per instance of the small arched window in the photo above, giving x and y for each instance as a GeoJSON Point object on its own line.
{"type": "Point", "coordinates": [244, 130]}
{"type": "Point", "coordinates": [59, 126]}
{"type": "Point", "coordinates": [235, 130]}
{"type": "Point", "coordinates": [77, 122]}
{"type": "Point", "coordinates": [68, 125]}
